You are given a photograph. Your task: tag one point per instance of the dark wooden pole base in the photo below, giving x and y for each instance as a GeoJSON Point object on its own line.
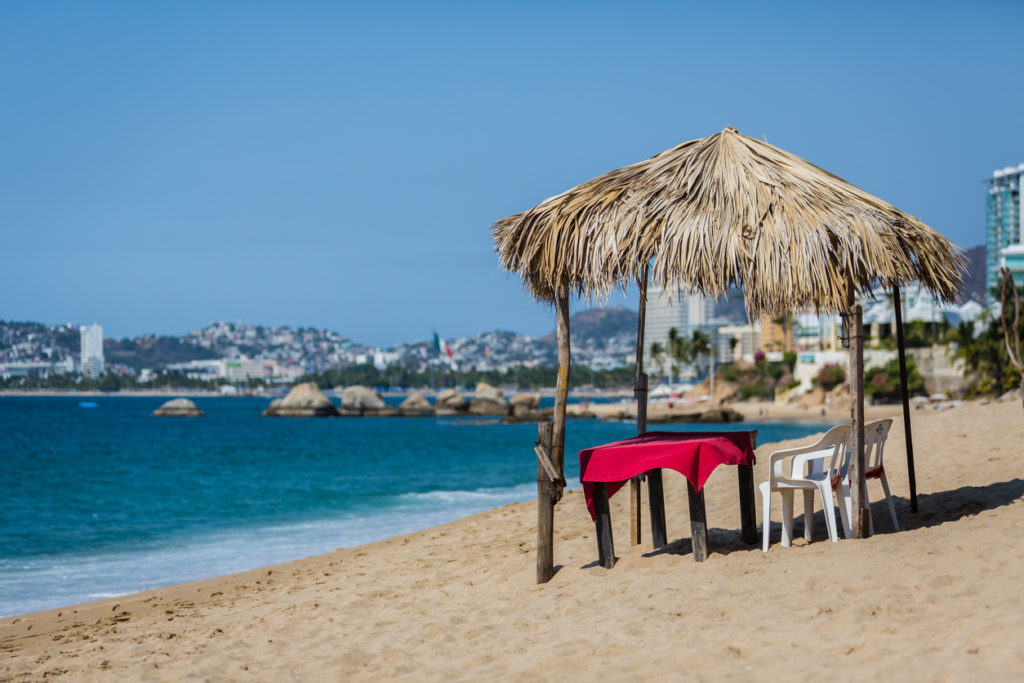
{"type": "Point", "coordinates": [748, 516]}
{"type": "Point", "coordinates": [656, 502]}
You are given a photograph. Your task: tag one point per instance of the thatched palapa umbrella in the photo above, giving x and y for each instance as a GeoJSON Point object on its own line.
{"type": "Point", "coordinates": [721, 211]}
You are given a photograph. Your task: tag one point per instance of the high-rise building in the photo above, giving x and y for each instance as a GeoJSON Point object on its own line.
{"type": "Point", "coordinates": [1003, 237]}
{"type": "Point", "coordinates": [92, 350]}
{"type": "Point", "coordinates": [686, 312]}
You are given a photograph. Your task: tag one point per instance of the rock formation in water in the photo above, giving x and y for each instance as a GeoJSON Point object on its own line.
{"type": "Point", "coordinates": [526, 407]}
{"type": "Point", "coordinates": [488, 400]}
{"type": "Point", "coordinates": [416, 405]}
{"type": "Point", "coordinates": [450, 402]}
{"type": "Point", "coordinates": [304, 400]}
{"type": "Point", "coordinates": [360, 401]}
{"type": "Point", "coordinates": [179, 407]}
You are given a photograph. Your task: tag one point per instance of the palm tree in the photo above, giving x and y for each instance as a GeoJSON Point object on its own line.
{"type": "Point", "coordinates": [700, 345]}
{"type": "Point", "coordinates": [679, 349]}
{"type": "Point", "coordinates": [658, 357]}
{"type": "Point", "coordinates": [967, 347]}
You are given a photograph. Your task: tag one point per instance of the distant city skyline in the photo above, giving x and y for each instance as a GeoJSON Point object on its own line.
{"type": "Point", "coordinates": [339, 166]}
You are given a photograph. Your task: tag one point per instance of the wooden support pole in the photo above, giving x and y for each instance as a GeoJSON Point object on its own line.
{"type": "Point", "coordinates": [901, 344]}
{"type": "Point", "coordinates": [562, 385]}
{"type": "Point", "coordinates": [858, 489]}
{"type": "Point", "coordinates": [656, 502]}
{"type": "Point", "coordinates": [547, 496]}
{"type": "Point", "coordinates": [640, 394]}
{"type": "Point", "coordinates": [698, 523]}
{"type": "Point", "coordinates": [603, 520]}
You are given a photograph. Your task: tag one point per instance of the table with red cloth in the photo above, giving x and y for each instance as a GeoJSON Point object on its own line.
{"type": "Point", "coordinates": [695, 455]}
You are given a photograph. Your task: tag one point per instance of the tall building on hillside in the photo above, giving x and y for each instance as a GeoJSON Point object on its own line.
{"type": "Point", "coordinates": [1003, 238]}
{"type": "Point", "coordinates": [92, 350]}
{"type": "Point", "coordinates": [672, 309]}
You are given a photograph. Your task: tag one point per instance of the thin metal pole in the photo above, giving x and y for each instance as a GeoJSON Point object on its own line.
{"type": "Point", "coordinates": [897, 303]}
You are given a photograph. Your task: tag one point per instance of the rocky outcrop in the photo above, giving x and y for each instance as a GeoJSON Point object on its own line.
{"type": "Point", "coordinates": [358, 397]}
{"type": "Point", "coordinates": [720, 415]}
{"type": "Point", "coordinates": [814, 398]}
{"type": "Point", "coordinates": [488, 400]}
{"type": "Point", "coordinates": [304, 400]}
{"type": "Point", "coordinates": [360, 401]}
{"type": "Point", "coordinates": [450, 402]}
{"type": "Point", "coordinates": [838, 397]}
{"type": "Point", "coordinates": [680, 415]}
{"type": "Point", "coordinates": [179, 407]}
{"type": "Point", "coordinates": [724, 391]}
{"type": "Point", "coordinates": [416, 405]}
{"type": "Point", "coordinates": [526, 407]}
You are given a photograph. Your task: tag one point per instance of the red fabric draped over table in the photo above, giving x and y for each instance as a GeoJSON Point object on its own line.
{"type": "Point", "coordinates": [695, 455]}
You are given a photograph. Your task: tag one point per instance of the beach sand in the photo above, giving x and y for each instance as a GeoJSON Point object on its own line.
{"type": "Point", "coordinates": [670, 411]}
{"type": "Point", "coordinates": [941, 600]}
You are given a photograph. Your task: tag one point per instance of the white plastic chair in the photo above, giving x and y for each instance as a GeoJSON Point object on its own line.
{"type": "Point", "coordinates": [875, 434]}
{"type": "Point", "coordinates": [812, 469]}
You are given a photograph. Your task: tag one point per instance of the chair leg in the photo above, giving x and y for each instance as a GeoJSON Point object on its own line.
{"type": "Point", "coordinates": [766, 513]}
{"type": "Point", "coordinates": [888, 499]}
{"type": "Point", "coordinates": [871, 517]}
{"type": "Point", "coordinates": [808, 513]}
{"type": "Point", "coordinates": [844, 510]}
{"type": "Point", "coordinates": [830, 512]}
{"type": "Point", "coordinates": [787, 517]}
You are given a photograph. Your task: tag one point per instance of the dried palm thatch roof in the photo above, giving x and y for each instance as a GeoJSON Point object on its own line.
{"type": "Point", "coordinates": [721, 211]}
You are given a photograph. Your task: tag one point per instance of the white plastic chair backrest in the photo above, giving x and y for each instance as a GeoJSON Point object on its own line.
{"type": "Point", "coordinates": [875, 434]}
{"type": "Point", "coordinates": [836, 439]}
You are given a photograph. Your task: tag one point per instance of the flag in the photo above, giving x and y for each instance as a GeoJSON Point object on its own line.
{"type": "Point", "coordinates": [441, 346]}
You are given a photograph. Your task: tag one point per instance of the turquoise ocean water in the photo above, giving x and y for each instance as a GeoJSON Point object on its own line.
{"type": "Point", "coordinates": [106, 500]}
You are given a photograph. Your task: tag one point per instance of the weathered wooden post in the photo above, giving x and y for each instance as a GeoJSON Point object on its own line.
{"type": "Point", "coordinates": [562, 385]}
{"type": "Point", "coordinates": [901, 344]}
{"type": "Point", "coordinates": [855, 331]}
{"type": "Point", "coordinates": [550, 450]}
{"type": "Point", "coordinates": [549, 485]}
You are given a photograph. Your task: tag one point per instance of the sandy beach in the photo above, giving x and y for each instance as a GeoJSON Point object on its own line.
{"type": "Point", "coordinates": [941, 600]}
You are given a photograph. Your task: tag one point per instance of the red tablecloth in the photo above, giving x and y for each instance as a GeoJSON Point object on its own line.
{"type": "Point", "coordinates": [695, 455]}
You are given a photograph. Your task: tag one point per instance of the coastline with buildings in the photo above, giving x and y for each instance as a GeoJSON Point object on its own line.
{"type": "Point", "coordinates": [1004, 240]}
{"type": "Point", "coordinates": [251, 358]}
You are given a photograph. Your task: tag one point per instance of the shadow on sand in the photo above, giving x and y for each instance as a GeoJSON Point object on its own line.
{"type": "Point", "coordinates": [933, 509]}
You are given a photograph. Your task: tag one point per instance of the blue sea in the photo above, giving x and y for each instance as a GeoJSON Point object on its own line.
{"type": "Point", "coordinates": [106, 500]}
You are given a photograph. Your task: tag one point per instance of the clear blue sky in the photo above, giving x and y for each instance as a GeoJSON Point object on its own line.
{"type": "Point", "coordinates": [163, 165]}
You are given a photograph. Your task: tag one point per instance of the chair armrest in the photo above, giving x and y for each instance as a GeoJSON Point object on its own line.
{"type": "Point", "coordinates": [775, 461]}
{"type": "Point", "coordinates": [800, 461]}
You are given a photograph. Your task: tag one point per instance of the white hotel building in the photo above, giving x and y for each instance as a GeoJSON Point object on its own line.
{"type": "Point", "coordinates": [92, 350]}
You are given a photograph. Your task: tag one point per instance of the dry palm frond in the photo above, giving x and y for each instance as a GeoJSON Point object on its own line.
{"type": "Point", "coordinates": [721, 211]}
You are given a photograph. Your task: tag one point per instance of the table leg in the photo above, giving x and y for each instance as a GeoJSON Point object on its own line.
{"type": "Point", "coordinates": [634, 511]}
{"type": "Point", "coordinates": [698, 523]}
{"type": "Point", "coordinates": [605, 544]}
{"type": "Point", "coordinates": [656, 502]}
{"type": "Point", "coordinates": [748, 518]}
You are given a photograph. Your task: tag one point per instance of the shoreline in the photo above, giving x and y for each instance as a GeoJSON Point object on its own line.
{"type": "Point", "coordinates": [460, 599]}
{"type": "Point", "coordinates": [759, 410]}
